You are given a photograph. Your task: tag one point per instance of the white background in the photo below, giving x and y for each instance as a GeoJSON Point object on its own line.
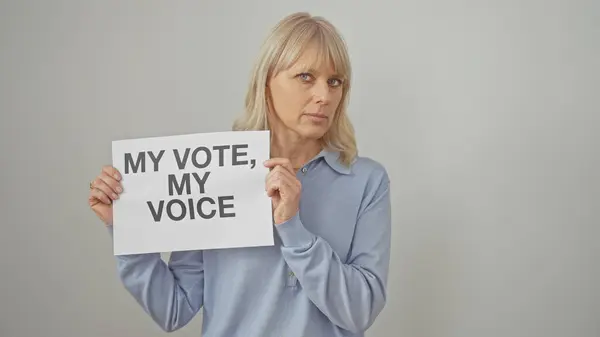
{"type": "Point", "coordinates": [485, 113]}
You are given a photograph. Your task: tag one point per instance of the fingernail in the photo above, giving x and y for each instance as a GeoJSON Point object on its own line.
{"type": "Point", "coordinates": [119, 189]}
{"type": "Point", "coordinates": [115, 196]}
{"type": "Point", "coordinates": [117, 177]}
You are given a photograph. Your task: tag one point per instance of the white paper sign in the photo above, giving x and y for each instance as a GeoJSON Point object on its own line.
{"type": "Point", "coordinates": [188, 192]}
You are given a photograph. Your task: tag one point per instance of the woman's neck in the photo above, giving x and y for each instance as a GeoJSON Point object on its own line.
{"type": "Point", "coordinates": [298, 151]}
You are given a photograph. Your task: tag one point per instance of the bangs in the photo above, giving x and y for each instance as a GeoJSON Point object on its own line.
{"type": "Point", "coordinates": [331, 50]}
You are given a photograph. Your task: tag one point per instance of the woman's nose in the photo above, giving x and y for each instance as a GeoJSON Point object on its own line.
{"type": "Point", "coordinates": [321, 92]}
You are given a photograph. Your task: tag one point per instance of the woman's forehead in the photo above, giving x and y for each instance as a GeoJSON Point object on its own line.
{"type": "Point", "coordinates": [315, 59]}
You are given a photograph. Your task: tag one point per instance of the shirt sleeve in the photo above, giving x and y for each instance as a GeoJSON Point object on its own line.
{"type": "Point", "coordinates": [350, 294]}
{"type": "Point", "coordinates": [172, 294]}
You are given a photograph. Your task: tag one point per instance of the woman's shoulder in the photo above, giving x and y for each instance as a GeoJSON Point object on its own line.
{"type": "Point", "coordinates": [361, 169]}
{"type": "Point", "coordinates": [369, 169]}
{"type": "Point", "coordinates": [371, 178]}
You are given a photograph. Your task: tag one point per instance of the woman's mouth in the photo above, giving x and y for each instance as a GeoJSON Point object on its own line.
{"type": "Point", "coordinates": [316, 116]}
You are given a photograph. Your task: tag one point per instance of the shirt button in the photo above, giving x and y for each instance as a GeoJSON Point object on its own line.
{"type": "Point", "coordinates": [304, 170]}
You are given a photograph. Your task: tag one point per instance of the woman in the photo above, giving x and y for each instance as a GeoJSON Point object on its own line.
{"type": "Point", "coordinates": [326, 274]}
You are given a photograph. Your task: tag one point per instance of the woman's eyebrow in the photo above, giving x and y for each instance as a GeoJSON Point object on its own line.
{"type": "Point", "coordinates": [312, 70]}
{"type": "Point", "coordinates": [306, 68]}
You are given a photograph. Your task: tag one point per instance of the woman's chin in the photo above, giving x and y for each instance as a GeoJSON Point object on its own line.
{"type": "Point", "coordinates": [313, 132]}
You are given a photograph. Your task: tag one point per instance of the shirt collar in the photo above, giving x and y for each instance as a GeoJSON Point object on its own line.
{"type": "Point", "coordinates": [332, 159]}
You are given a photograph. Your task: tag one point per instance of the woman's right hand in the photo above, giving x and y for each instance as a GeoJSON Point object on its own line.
{"type": "Point", "coordinates": [105, 188]}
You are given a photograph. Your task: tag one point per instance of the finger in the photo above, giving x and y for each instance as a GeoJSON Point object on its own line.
{"type": "Point", "coordinates": [101, 196]}
{"type": "Point", "coordinates": [288, 187]}
{"type": "Point", "coordinates": [272, 189]}
{"type": "Point", "coordinates": [276, 174]}
{"type": "Point", "coordinates": [281, 180]}
{"type": "Point", "coordinates": [273, 183]}
{"type": "Point", "coordinates": [284, 162]}
{"type": "Point", "coordinates": [280, 170]}
{"type": "Point", "coordinates": [286, 178]}
{"type": "Point", "coordinates": [111, 171]}
{"type": "Point", "coordinates": [115, 185]}
{"type": "Point", "coordinates": [100, 185]}
{"type": "Point", "coordinates": [290, 179]}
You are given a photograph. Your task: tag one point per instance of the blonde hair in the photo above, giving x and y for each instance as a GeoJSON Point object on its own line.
{"type": "Point", "coordinates": [280, 51]}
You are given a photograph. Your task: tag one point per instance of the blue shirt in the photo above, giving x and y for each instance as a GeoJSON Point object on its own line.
{"type": "Point", "coordinates": [325, 276]}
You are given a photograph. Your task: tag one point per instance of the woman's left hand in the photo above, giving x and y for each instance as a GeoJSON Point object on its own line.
{"type": "Point", "coordinates": [283, 188]}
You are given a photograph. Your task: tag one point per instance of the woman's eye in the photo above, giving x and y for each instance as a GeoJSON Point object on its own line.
{"type": "Point", "coordinates": [334, 82]}
{"type": "Point", "coordinates": [305, 77]}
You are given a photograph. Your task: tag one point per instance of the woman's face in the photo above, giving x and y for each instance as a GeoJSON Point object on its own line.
{"type": "Point", "coordinates": [305, 97]}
